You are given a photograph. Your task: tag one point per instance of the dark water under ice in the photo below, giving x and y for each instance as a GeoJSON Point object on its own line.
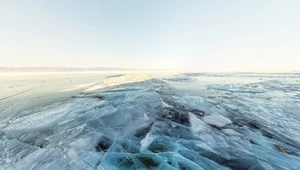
{"type": "Point", "coordinates": [188, 121]}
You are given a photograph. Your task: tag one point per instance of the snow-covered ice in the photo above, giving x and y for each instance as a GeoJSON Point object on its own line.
{"type": "Point", "coordinates": [217, 120]}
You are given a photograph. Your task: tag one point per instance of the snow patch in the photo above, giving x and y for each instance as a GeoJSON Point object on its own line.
{"type": "Point", "coordinates": [216, 120]}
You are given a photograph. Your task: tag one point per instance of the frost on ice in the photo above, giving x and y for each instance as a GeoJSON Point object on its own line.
{"type": "Point", "coordinates": [153, 125]}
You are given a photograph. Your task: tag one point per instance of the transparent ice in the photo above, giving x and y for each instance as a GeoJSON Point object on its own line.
{"type": "Point", "coordinates": [171, 123]}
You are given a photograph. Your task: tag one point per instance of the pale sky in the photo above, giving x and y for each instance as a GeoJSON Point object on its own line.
{"type": "Point", "coordinates": [200, 35]}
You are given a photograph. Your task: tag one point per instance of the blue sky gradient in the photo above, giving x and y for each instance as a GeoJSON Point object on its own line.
{"type": "Point", "coordinates": [158, 34]}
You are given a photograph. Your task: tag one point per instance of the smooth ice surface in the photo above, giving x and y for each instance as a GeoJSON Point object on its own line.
{"type": "Point", "coordinates": [190, 121]}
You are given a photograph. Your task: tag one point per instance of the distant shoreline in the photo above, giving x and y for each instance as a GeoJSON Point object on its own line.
{"type": "Point", "coordinates": [57, 69]}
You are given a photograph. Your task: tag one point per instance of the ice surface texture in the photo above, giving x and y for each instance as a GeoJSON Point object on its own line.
{"type": "Point", "coordinates": [151, 125]}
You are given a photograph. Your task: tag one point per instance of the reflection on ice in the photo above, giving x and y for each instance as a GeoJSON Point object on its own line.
{"type": "Point", "coordinates": [153, 125]}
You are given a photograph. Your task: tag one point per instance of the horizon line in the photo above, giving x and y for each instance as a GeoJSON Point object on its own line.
{"type": "Point", "coordinates": [103, 68]}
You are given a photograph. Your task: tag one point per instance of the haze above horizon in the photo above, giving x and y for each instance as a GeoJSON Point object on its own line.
{"type": "Point", "coordinates": [193, 35]}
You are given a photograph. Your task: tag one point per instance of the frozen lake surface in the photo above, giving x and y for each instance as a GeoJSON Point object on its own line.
{"type": "Point", "coordinates": [185, 121]}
